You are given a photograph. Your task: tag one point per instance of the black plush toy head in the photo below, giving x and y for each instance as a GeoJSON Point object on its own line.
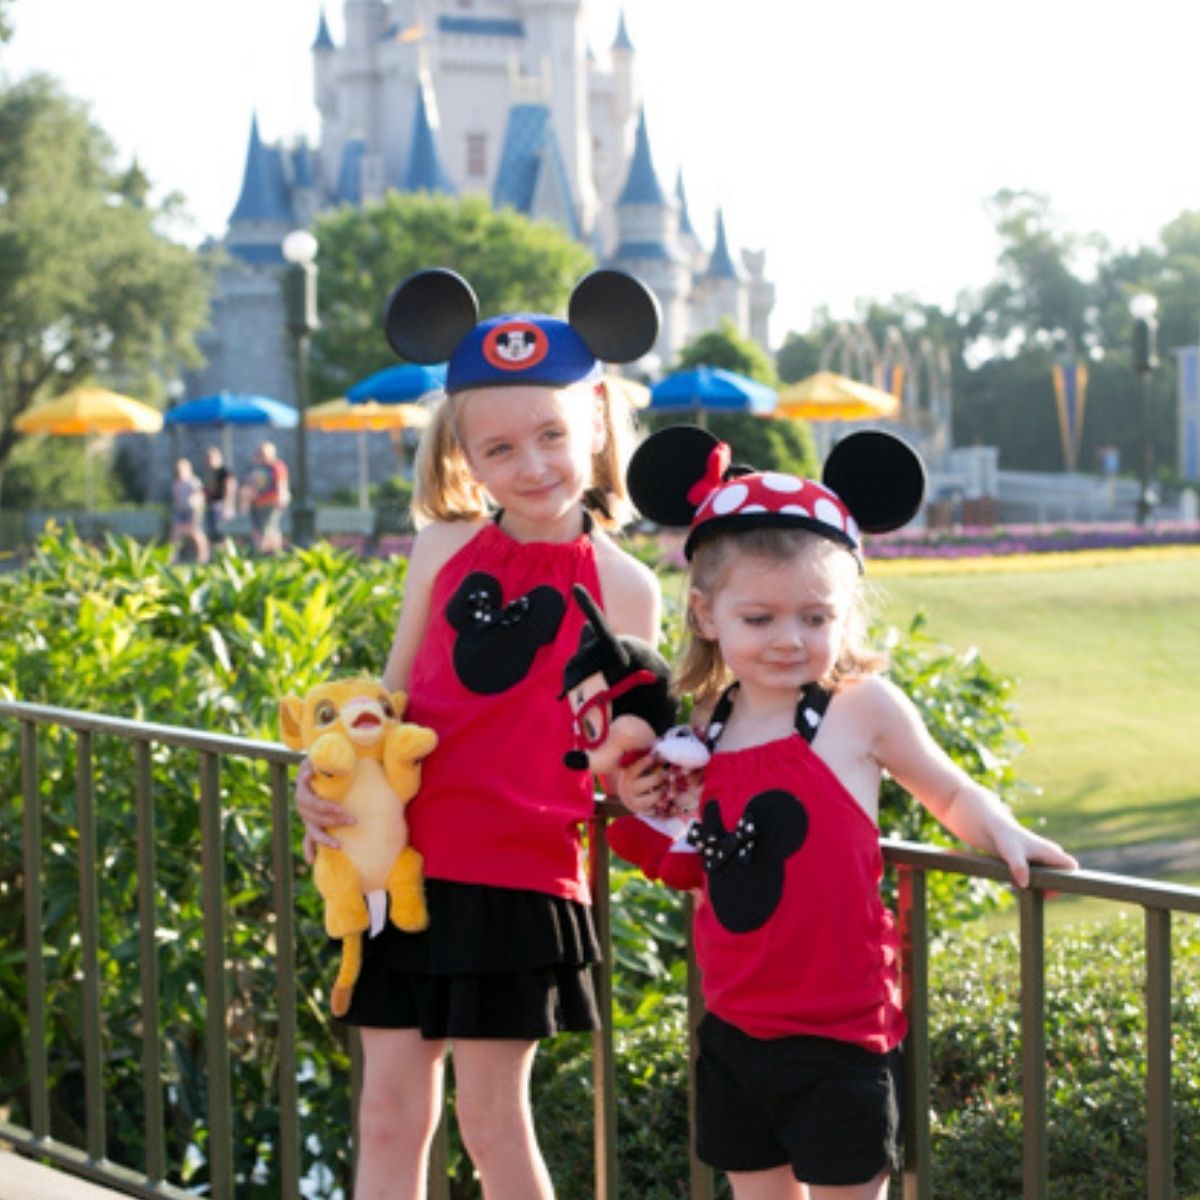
{"type": "Point", "coordinates": [635, 676]}
{"type": "Point", "coordinates": [433, 316]}
{"type": "Point", "coordinates": [682, 476]}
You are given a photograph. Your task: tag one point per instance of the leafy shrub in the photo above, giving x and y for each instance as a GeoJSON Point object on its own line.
{"type": "Point", "coordinates": [121, 630]}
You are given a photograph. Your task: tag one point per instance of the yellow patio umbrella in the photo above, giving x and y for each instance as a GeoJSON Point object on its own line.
{"type": "Point", "coordinates": [343, 416]}
{"type": "Point", "coordinates": [828, 397]}
{"type": "Point", "coordinates": [86, 412]}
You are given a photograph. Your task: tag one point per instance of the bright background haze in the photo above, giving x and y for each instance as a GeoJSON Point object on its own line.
{"type": "Point", "coordinates": [856, 143]}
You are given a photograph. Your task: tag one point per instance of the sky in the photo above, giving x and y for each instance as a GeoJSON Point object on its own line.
{"type": "Point", "coordinates": [856, 142]}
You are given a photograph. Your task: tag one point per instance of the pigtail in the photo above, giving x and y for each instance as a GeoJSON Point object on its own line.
{"type": "Point", "coordinates": [443, 486]}
{"type": "Point", "coordinates": [607, 497]}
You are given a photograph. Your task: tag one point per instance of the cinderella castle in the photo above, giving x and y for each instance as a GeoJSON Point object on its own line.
{"type": "Point", "coordinates": [499, 97]}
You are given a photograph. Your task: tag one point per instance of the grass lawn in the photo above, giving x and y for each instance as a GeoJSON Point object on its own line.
{"type": "Point", "coordinates": [1106, 655]}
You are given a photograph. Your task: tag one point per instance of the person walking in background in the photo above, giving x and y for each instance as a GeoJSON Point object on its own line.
{"type": "Point", "coordinates": [220, 493]}
{"type": "Point", "coordinates": [267, 496]}
{"type": "Point", "coordinates": [798, 1076]}
{"type": "Point", "coordinates": [187, 511]}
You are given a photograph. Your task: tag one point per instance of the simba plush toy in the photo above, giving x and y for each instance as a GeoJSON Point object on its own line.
{"type": "Point", "coordinates": [622, 708]}
{"type": "Point", "coordinates": [366, 759]}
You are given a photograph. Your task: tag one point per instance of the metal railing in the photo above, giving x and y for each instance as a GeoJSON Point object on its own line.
{"type": "Point", "coordinates": [149, 1178]}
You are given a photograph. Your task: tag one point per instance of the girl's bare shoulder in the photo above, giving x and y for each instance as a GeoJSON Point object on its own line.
{"type": "Point", "coordinates": [438, 542]}
{"type": "Point", "coordinates": [632, 595]}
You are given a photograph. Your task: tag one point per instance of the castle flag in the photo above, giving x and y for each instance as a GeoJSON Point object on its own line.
{"type": "Point", "coordinates": [1070, 395]}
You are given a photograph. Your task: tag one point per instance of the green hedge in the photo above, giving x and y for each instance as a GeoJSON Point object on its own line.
{"type": "Point", "coordinates": [119, 629]}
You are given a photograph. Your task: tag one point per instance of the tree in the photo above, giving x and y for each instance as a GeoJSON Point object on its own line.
{"type": "Point", "coordinates": [90, 289]}
{"type": "Point", "coordinates": [513, 264]}
{"type": "Point", "coordinates": [1037, 300]}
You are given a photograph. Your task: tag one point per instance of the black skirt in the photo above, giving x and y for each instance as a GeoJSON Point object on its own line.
{"type": "Point", "coordinates": [494, 963]}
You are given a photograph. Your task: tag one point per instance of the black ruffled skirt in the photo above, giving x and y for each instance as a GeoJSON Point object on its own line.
{"type": "Point", "coordinates": [494, 963]}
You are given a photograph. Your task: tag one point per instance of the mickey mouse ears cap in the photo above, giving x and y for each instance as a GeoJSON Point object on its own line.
{"type": "Point", "coordinates": [432, 316]}
{"type": "Point", "coordinates": [682, 476]}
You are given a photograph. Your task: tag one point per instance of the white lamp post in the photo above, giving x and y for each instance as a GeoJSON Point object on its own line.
{"type": "Point", "coordinates": [1144, 310]}
{"type": "Point", "coordinates": [300, 250]}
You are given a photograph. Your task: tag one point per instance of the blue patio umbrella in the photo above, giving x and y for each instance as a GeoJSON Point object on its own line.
{"type": "Point", "coordinates": [711, 389]}
{"type": "Point", "coordinates": [403, 383]}
{"type": "Point", "coordinates": [226, 409]}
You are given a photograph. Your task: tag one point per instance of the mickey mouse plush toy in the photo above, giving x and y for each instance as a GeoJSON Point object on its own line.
{"type": "Point", "coordinates": [618, 688]}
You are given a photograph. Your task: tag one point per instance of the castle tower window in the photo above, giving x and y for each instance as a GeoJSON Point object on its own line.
{"type": "Point", "coordinates": [477, 155]}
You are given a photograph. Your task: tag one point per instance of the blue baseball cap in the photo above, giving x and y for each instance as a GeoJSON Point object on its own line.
{"type": "Point", "coordinates": [521, 348]}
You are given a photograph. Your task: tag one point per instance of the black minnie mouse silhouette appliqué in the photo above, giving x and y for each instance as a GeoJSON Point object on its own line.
{"type": "Point", "coordinates": [745, 865]}
{"type": "Point", "coordinates": [496, 643]}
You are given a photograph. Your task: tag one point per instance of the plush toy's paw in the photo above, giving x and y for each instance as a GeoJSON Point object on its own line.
{"type": "Point", "coordinates": [339, 1000]}
{"type": "Point", "coordinates": [344, 917]}
{"type": "Point", "coordinates": [657, 847]}
{"type": "Point", "coordinates": [682, 869]}
{"type": "Point", "coordinates": [332, 754]}
{"type": "Point", "coordinates": [407, 894]}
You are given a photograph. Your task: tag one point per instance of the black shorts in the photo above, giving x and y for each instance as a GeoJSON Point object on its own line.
{"type": "Point", "coordinates": [494, 963]}
{"type": "Point", "coordinates": [829, 1109]}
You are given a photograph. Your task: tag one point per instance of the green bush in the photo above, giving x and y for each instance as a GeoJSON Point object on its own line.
{"type": "Point", "coordinates": [119, 629]}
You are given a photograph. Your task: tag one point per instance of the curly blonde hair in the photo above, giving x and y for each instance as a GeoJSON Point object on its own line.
{"type": "Point", "coordinates": [701, 671]}
{"type": "Point", "coordinates": [445, 490]}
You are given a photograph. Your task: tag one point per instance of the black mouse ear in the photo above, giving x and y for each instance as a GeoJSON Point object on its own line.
{"type": "Point", "coordinates": [665, 468]}
{"type": "Point", "coordinates": [615, 314]}
{"type": "Point", "coordinates": [879, 477]}
{"type": "Point", "coordinates": [600, 627]}
{"type": "Point", "coordinates": [428, 314]}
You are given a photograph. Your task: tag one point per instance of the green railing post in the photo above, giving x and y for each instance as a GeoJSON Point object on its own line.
{"type": "Point", "coordinates": [216, 988]}
{"type": "Point", "coordinates": [89, 945]}
{"type": "Point", "coordinates": [35, 963]}
{"type": "Point", "coordinates": [147, 841]}
{"type": "Point", "coordinates": [1033, 1043]}
{"type": "Point", "coordinates": [914, 944]}
{"type": "Point", "coordinates": [1159, 1125]}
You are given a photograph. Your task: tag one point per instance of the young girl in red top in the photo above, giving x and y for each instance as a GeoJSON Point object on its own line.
{"type": "Point", "coordinates": [798, 1076]}
{"type": "Point", "coordinates": [517, 473]}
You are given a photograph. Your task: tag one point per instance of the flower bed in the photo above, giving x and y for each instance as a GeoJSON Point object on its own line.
{"type": "Point", "coordinates": [967, 541]}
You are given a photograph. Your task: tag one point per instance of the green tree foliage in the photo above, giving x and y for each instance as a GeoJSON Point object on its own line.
{"type": "Point", "coordinates": [90, 289]}
{"type": "Point", "coordinates": [513, 264]}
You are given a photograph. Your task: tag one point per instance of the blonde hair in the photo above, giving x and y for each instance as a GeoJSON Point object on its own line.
{"type": "Point", "coordinates": [445, 490]}
{"type": "Point", "coordinates": [701, 670]}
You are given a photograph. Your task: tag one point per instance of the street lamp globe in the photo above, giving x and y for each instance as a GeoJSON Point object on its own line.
{"type": "Point", "coordinates": [1143, 307]}
{"type": "Point", "coordinates": [299, 247]}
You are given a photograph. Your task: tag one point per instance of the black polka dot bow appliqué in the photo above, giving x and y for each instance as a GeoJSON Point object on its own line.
{"type": "Point", "coordinates": [745, 865]}
{"type": "Point", "coordinates": [497, 642]}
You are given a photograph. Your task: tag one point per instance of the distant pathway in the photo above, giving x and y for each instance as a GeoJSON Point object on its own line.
{"type": "Point", "coordinates": [1148, 860]}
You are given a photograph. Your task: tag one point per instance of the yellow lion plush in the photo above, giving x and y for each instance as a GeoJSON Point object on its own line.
{"type": "Point", "coordinates": [368, 760]}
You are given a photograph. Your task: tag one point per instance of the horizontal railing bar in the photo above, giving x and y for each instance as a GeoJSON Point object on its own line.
{"type": "Point", "coordinates": [1147, 893]}
{"type": "Point", "coordinates": [167, 735]}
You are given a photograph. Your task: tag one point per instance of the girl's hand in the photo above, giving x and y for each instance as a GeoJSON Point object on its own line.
{"type": "Point", "coordinates": [641, 786]}
{"type": "Point", "coordinates": [317, 814]}
{"type": "Point", "coordinates": [1019, 847]}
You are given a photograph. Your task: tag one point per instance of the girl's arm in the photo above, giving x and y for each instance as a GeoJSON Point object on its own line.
{"type": "Point", "coordinates": [434, 546]}
{"type": "Point", "coordinates": [632, 598]}
{"type": "Point", "coordinates": [902, 745]}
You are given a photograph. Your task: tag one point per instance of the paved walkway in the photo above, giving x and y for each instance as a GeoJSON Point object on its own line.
{"type": "Point", "coordinates": [23, 1179]}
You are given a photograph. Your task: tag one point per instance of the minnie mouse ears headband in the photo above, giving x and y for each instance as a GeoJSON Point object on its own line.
{"type": "Point", "coordinates": [433, 316]}
{"type": "Point", "coordinates": [682, 476]}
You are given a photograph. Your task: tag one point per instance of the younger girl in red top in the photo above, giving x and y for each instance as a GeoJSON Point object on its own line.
{"type": "Point", "coordinates": [798, 1076]}
{"type": "Point", "coordinates": [517, 472]}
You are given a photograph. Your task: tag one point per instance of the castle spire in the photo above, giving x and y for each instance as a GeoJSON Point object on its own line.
{"type": "Point", "coordinates": [622, 41]}
{"type": "Point", "coordinates": [323, 40]}
{"type": "Point", "coordinates": [425, 171]}
{"type": "Point", "coordinates": [721, 265]}
{"type": "Point", "coordinates": [264, 195]}
{"type": "Point", "coordinates": [642, 185]}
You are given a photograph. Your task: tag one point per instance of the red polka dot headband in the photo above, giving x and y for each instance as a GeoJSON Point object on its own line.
{"type": "Point", "coordinates": [682, 477]}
